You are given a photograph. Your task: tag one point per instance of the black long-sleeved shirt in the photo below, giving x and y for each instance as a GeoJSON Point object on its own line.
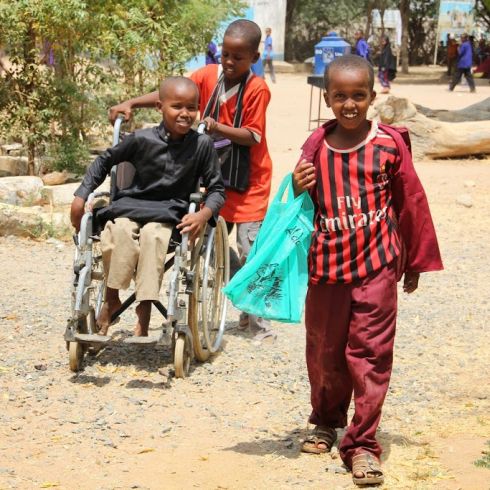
{"type": "Point", "coordinates": [166, 173]}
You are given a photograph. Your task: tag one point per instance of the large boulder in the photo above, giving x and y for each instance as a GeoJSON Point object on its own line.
{"type": "Point", "coordinates": [12, 166]}
{"type": "Point", "coordinates": [22, 191]}
{"type": "Point", "coordinates": [62, 195]}
{"type": "Point", "coordinates": [33, 222]}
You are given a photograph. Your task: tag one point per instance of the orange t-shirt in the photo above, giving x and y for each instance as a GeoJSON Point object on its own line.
{"type": "Point", "coordinates": [251, 205]}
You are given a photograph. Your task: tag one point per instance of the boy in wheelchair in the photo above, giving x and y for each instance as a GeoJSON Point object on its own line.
{"type": "Point", "coordinates": [169, 160]}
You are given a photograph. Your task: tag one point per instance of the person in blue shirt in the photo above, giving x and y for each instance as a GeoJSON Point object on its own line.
{"type": "Point", "coordinates": [464, 64]}
{"type": "Point", "coordinates": [267, 56]}
{"type": "Point", "coordinates": [212, 54]}
{"type": "Point", "coordinates": [361, 47]}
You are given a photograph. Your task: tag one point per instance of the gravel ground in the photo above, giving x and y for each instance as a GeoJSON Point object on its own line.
{"type": "Point", "coordinates": [235, 423]}
{"type": "Point", "coordinates": [126, 422]}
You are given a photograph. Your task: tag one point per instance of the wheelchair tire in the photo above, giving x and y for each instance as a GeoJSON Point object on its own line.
{"type": "Point", "coordinates": [216, 276]}
{"type": "Point", "coordinates": [182, 356]}
{"type": "Point", "coordinates": [194, 315]}
{"type": "Point", "coordinates": [76, 352]}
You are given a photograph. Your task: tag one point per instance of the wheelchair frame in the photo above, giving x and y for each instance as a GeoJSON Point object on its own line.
{"type": "Point", "coordinates": [194, 322]}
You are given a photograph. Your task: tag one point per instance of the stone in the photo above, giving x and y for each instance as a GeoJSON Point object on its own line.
{"type": "Point", "coordinates": [55, 178]}
{"type": "Point", "coordinates": [21, 191]}
{"type": "Point", "coordinates": [33, 222]}
{"type": "Point", "coordinates": [12, 166]}
{"type": "Point", "coordinates": [62, 195]}
{"type": "Point", "coordinates": [335, 468]}
{"type": "Point", "coordinates": [465, 200]}
{"type": "Point", "coordinates": [13, 150]}
{"type": "Point", "coordinates": [469, 183]}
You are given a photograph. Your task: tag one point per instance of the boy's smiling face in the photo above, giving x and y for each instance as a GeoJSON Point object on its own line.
{"type": "Point", "coordinates": [178, 106]}
{"type": "Point", "coordinates": [349, 94]}
{"type": "Point", "coordinates": [237, 56]}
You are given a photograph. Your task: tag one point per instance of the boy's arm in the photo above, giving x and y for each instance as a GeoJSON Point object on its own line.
{"type": "Point", "coordinates": [213, 182]}
{"type": "Point", "coordinates": [240, 136]}
{"type": "Point", "coordinates": [126, 107]}
{"type": "Point", "coordinates": [252, 129]}
{"type": "Point", "coordinates": [414, 218]}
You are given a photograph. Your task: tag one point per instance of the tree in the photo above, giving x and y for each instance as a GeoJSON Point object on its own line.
{"type": "Point", "coordinates": [482, 10]}
{"type": "Point", "coordinates": [405, 15]}
{"type": "Point", "coordinates": [91, 42]}
{"type": "Point", "coordinates": [307, 21]}
{"type": "Point", "coordinates": [422, 31]}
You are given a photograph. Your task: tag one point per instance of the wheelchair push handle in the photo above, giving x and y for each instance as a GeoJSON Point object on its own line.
{"type": "Point", "coordinates": [201, 127]}
{"type": "Point", "coordinates": [117, 129]}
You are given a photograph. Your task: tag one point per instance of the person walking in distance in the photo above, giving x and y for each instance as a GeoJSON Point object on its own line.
{"type": "Point", "coordinates": [464, 64]}
{"type": "Point", "coordinates": [268, 54]}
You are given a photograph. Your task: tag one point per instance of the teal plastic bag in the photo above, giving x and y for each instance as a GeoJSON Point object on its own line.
{"type": "Point", "coordinates": [272, 283]}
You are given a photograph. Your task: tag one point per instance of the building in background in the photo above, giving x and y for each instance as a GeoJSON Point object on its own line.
{"type": "Point", "coordinates": [266, 13]}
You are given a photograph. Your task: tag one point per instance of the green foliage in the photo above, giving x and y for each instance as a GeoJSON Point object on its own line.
{"type": "Point", "coordinates": [484, 461]}
{"type": "Point", "coordinates": [95, 43]}
{"type": "Point", "coordinates": [309, 20]}
{"type": "Point", "coordinates": [70, 154]}
{"type": "Point", "coordinates": [482, 11]}
{"type": "Point", "coordinates": [422, 30]}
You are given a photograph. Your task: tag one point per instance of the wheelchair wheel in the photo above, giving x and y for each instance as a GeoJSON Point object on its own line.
{"type": "Point", "coordinates": [182, 356]}
{"type": "Point", "coordinates": [207, 314]}
{"type": "Point", "coordinates": [215, 277]}
{"type": "Point", "coordinates": [76, 350]}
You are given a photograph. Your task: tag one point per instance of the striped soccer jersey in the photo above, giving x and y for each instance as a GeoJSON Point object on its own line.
{"type": "Point", "coordinates": [355, 228]}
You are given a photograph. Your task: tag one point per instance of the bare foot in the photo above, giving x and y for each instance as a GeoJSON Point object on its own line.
{"type": "Point", "coordinates": [111, 305]}
{"type": "Point", "coordinates": [143, 312]}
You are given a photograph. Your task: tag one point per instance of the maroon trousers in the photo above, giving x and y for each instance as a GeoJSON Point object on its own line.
{"type": "Point", "coordinates": [350, 329]}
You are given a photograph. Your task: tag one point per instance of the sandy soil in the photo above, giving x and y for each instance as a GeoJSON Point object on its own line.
{"type": "Point", "coordinates": [126, 422]}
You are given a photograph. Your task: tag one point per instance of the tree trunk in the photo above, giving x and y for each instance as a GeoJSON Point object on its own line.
{"type": "Point", "coordinates": [405, 15]}
{"type": "Point", "coordinates": [31, 154]}
{"type": "Point", "coordinates": [432, 138]}
{"type": "Point", "coordinates": [370, 8]}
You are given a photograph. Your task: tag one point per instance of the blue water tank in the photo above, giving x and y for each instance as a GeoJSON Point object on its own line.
{"type": "Point", "coordinates": [327, 49]}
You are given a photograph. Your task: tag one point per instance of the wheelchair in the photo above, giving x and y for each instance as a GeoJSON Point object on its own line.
{"type": "Point", "coordinates": [194, 320]}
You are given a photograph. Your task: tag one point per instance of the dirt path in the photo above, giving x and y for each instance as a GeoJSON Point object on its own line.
{"type": "Point", "coordinates": [126, 422]}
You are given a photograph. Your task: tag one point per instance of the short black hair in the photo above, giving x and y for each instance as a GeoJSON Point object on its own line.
{"type": "Point", "coordinates": [171, 82]}
{"type": "Point", "coordinates": [247, 30]}
{"type": "Point", "coordinates": [349, 62]}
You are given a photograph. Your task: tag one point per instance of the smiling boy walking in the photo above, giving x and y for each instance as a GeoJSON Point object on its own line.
{"type": "Point", "coordinates": [371, 212]}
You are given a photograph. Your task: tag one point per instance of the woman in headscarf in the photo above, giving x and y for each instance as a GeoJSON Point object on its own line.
{"type": "Point", "coordinates": [386, 65]}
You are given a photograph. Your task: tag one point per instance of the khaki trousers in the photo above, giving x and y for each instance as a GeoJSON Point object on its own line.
{"type": "Point", "coordinates": [132, 250]}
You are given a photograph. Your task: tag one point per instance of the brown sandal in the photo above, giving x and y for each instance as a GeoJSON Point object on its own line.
{"type": "Point", "coordinates": [369, 466]}
{"type": "Point", "coordinates": [326, 436]}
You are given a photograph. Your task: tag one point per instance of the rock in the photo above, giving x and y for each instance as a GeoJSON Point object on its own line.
{"type": "Point", "coordinates": [13, 150]}
{"type": "Point", "coordinates": [62, 195]}
{"type": "Point", "coordinates": [21, 191]}
{"type": "Point", "coordinates": [465, 200]}
{"type": "Point", "coordinates": [12, 166]}
{"type": "Point", "coordinates": [335, 468]}
{"type": "Point", "coordinates": [55, 178]}
{"type": "Point", "coordinates": [469, 183]}
{"type": "Point", "coordinates": [33, 222]}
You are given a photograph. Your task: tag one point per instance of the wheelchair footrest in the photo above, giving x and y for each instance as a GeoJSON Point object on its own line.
{"type": "Point", "coordinates": [142, 340]}
{"type": "Point", "coordinates": [85, 337]}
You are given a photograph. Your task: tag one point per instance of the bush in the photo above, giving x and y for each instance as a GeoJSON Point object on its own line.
{"type": "Point", "coordinates": [70, 154]}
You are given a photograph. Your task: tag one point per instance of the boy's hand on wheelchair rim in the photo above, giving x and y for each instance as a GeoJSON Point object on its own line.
{"type": "Point", "coordinates": [76, 212]}
{"type": "Point", "coordinates": [303, 177]}
{"type": "Point", "coordinates": [410, 281]}
{"type": "Point", "coordinates": [193, 223]}
{"type": "Point", "coordinates": [123, 108]}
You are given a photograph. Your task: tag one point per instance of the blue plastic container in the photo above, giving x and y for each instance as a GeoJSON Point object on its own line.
{"type": "Point", "coordinates": [327, 49]}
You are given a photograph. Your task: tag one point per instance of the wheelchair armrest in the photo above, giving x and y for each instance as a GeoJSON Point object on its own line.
{"type": "Point", "coordinates": [95, 195]}
{"type": "Point", "coordinates": [196, 197]}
